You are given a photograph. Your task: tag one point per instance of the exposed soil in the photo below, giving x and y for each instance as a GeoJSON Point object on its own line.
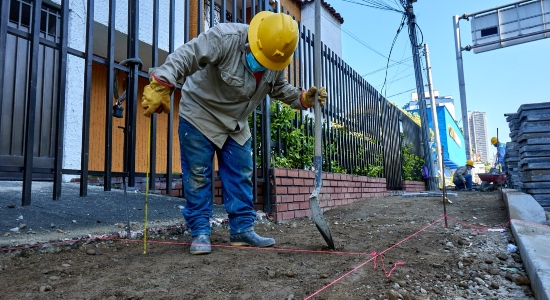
{"type": "Point", "coordinates": [463, 261]}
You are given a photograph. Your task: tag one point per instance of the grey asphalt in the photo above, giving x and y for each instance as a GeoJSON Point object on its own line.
{"type": "Point", "coordinates": [98, 213]}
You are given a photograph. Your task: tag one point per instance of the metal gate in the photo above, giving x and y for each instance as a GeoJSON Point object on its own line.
{"type": "Point", "coordinates": [34, 56]}
{"type": "Point", "coordinates": [30, 85]}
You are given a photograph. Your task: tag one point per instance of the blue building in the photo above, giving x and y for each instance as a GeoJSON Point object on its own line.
{"type": "Point", "coordinates": [452, 138]}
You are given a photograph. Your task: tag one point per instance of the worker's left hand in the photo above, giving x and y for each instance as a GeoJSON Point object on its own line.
{"type": "Point", "coordinates": [308, 98]}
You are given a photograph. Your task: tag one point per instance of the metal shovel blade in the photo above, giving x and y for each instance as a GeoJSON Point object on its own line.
{"type": "Point", "coordinates": [319, 219]}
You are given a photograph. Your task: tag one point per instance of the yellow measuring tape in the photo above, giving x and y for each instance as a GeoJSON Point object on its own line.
{"type": "Point", "coordinates": [146, 189]}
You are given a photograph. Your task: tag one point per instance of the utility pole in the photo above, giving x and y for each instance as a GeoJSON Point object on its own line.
{"type": "Point", "coordinates": [434, 115]}
{"type": "Point", "coordinates": [411, 22]}
{"type": "Point", "coordinates": [462, 87]}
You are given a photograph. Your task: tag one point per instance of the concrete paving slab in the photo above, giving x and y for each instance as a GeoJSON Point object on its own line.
{"type": "Point", "coordinates": [533, 241]}
{"type": "Point", "coordinates": [523, 207]}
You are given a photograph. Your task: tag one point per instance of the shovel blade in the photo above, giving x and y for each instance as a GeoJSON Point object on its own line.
{"type": "Point", "coordinates": [320, 222]}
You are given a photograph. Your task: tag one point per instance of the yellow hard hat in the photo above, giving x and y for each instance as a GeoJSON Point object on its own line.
{"type": "Point", "coordinates": [494, 140]}
{"type": "Point", "coordinates": [470, 163]}
{"type": "Point", "coordinates": [273, 37]}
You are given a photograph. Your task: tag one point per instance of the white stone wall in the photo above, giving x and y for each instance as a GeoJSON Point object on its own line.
{"type": "Point", "coordinates": [331, 33]}
{"type": "Point", "coordinates": [101, 16]}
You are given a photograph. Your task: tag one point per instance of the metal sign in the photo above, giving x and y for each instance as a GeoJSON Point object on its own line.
{"type": "Point", "coordinates": [510, 24]}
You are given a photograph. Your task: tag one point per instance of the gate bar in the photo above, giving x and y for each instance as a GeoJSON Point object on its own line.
{"type": "Point", "coordinates": [86, 100]}
{"type": "Point", "coordinates": [108, 165]}
{"type": "Point", "coordinates": [3, 37]}
{"type": "Point", "coordinates": [153, 120]}
{"type": "Point", "coordinates": [132, 91]}
{"type": "Point", "coordinates": [60, 117]}
{"type": "Point", "coordinates": [31, 103]}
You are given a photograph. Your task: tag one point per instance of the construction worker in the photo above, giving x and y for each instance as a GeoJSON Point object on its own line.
{"type": "Point", "coordinates": [227, 72]}
{"type": "Point", "coordinates": [501, 151]}
{"type": "Point", "coordinates": [462, 178]}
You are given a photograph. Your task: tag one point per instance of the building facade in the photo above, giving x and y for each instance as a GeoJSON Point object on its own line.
{"type": "Point", "coordinates": [446, 101]}
{"type": "Point", "coordinates": [479, 138]}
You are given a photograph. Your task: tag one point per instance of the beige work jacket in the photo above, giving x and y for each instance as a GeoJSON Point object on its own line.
{"type": "Point", "coordinates": [220, 90]}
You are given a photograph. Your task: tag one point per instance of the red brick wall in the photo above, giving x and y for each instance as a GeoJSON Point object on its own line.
{"type": "Point", "coordinates": [414, 186]}
{"type": "Point", "coordinates": [293, 187]}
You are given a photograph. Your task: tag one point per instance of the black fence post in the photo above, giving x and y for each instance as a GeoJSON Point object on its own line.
{"type": "Point", "coordinates": [60, 115]}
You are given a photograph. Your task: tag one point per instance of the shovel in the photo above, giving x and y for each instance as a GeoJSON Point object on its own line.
{"type": "Point", "coordinates": [316, 211]}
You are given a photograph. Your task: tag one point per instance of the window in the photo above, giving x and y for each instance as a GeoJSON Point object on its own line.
{"type": "Point", "coordinates": [489, 31]}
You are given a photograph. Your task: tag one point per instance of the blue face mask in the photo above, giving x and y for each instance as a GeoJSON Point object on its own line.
{"type": "Point", "coordinates": [254, 64]}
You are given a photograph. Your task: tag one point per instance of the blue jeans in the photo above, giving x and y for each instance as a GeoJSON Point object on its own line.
{"type": "Point", "coordinates": [460, 185]}
{"type": "Point", "coordinates": [235, 170]}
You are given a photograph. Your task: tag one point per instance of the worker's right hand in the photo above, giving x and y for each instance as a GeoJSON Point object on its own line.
{"type": "Point", "coordinates": [307, 98]}
{"type": "Point", "coordinates": [156, 97]}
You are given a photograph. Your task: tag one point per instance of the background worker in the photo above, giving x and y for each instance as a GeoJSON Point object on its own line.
{"type": "Point", "coordinates": [228, 71]}
{"type": "Point", "coordinates": [462, 178]}
{"type": "Point", "coordinates": [501, 151]}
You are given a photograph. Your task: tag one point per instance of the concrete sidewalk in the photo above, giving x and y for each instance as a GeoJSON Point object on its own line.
{"type": "Point", "coordinates": [99, 213]}
{"type": "Point", "coordinates": [532, 235]}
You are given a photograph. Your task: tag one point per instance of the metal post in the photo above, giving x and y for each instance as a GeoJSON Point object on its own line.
{"type": "Point", "coordinates": [434, 114]}
{"type": "Point", "coordinates": [411, 21]}
{"type": "Point", "coordinates": [462, 87]}
{"type": "Point", "coordinates": [60, 115]}
{"type": "Point", "coordinates": [132, 92]}
{"type": "Point", "coordinates": [31, 103]}
{"type": "Point", "coordinates": [84, 159]}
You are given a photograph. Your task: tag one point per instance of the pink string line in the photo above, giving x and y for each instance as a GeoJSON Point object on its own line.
{"type": "Point", "coordinates": [375, 255]}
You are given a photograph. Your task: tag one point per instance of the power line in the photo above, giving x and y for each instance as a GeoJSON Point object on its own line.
{"type": "Point", "coordinates": [391, 49]}
{"type": "Point", "coordinates": [378, 4]}
{"type": "Point", "coordinates": [401, 93]}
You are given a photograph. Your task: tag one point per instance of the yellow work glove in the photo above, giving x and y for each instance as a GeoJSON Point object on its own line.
{"type": "Point", "coordinates": [156, 97]}
{"type": "Point", "coordinates": [308, 98]}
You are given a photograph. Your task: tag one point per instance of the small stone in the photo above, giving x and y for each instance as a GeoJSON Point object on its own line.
{"type": "Point", "coordinates": [45, 288]}
{"type": "Point", "coordinates": [52, 225]}
{"type": "Point", "coordinates": [393, 295]}
{"type": "Point", "coordinates": [323, 276]}
{"type": "Point", "coordinates": [489, 261]}
{"type": "Point", "coordinates": [494, 285]}
{"type": "Point", "coordinates": [479, 281]}
{"type": "Point", "coordinates": [502, 256]}
{"type": "Point", "coordinates": [65, 265]}
{"type": "Point", "coordinates": [91, 252]}
{"type": "Point", "coordinates": [11, 205]}
{"type": "Point", "coordinates": [54, 278]}
{"type": "Point", "coordinates": [522, 280]}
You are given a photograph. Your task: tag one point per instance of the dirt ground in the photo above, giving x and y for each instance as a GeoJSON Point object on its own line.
{"type": "Point", "coordinates": [466, 260]}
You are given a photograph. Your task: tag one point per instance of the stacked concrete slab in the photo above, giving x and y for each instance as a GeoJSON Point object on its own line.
{"type": "Point", "coordinates": [532, 142]}
{"type": "Point", "coordinates": [512, 153]}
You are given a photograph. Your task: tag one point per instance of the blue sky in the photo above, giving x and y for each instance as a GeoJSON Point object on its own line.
{"type": "Point", "coordinates": [497, 81]}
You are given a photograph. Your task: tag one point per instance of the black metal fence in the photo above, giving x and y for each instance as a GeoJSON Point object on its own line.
{"type": "Point", "coordinates": [34, 34]}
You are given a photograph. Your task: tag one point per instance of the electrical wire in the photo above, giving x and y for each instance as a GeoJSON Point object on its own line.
{"type": "Point", "coordinates": [413, 89]}
{"type": "Point", "coordinates": [378, 4]}
{"type": "Point", "coordinates": [390, 66]}
{"type": "Point", "coordinates": [391, 49]}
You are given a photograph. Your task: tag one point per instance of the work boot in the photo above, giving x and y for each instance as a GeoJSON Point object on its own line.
{"type": "Point", "coordinates": [200, 244]}
{"type": "Point", "coordinates": [250, 238]}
